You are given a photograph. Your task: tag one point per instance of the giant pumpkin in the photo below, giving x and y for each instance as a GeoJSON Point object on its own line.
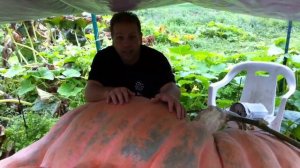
{"type": "Point", "coordinates": [143, 134]}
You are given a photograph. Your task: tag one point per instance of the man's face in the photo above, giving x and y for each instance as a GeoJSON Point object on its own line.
{"type": "Point", "coordinates": [127, 41]}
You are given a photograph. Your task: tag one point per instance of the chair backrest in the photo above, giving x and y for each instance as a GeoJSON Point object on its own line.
{"type": "Point", "coordinates": [262, 88]}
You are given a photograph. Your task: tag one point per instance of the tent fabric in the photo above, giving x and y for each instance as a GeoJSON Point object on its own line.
{"type": "Point", "coordinates": [17, 10]}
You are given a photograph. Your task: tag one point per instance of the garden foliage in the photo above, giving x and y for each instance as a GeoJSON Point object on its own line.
{"type": "Point", "coordinates": [45, 63]}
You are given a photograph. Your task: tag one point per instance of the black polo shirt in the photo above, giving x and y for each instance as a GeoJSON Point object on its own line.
{"type": "Point", "coordinates": [145, 77]}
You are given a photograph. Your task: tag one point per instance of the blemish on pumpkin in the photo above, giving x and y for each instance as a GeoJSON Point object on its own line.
{"type": "Point", "coordinates": [105, 134]}
{"type": "Point", "coordinates": [181, 156]}
{"type": "Point", "coordinates": [189, 143]}
{"type": "Point", "coordinates": [144, 149]}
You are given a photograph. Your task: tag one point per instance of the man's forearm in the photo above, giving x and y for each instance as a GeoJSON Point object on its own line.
{"type": "Point", "coordinates": [171, 89]}
{"type": "Point", "coordinates": [95, 91]}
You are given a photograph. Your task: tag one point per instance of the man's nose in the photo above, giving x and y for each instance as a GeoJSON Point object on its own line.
{"type": "Point", "coordinates": [127, 42]}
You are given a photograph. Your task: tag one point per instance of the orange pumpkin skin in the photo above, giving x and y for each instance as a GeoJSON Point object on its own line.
{"type": "Point", "coordinates": [144, 134]}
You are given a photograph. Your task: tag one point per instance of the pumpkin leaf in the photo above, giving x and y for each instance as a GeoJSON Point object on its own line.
{"type": "Point", "coordinates": [13, 60]}
{"type": "Point", "coordinates": [25, 87]}
{"type": "Point", "coordinates": [184, 82]}
{"type": "Point", "coordinates": [216, 69]}
{"type": "Point", "coordinates": [274, 50]}
{"type": "Point", "coordinates": [70, 73]}
{"type": "Point", "coordinates": [15, 70]}
{"type": "Point", "coordinates": [296, 132]}
{"type": "Point", "coordinates": [181, 50]}
{"type": "Point", "coordinates": [69, 89]}
{"type": "Point", "coordinates": [43, 73]}
{"type": "Point", "coordinates": [223, 103]}
{"type": "Point", "coordinates": [203, 80]}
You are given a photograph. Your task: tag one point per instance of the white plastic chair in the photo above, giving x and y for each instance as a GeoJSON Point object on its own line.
{"type": "Point", "coordinates": [259, 89]}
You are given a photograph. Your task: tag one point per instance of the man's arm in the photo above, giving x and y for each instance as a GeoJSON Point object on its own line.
{"type": "Point", "coordinates": [170, 94]}
{"type": "Point", "coordinates": [171, 89]}
{"type": "Point", "coordinates": [95, 91]}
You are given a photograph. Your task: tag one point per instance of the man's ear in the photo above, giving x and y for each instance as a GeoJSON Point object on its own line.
{"type": "Point", "coordinates": [141, 37]}
{"type": "Point", "coordinates": [111, 32]}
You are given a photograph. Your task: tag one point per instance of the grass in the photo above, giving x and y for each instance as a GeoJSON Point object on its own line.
{"type": "Point", "coordinates": [188, 19]}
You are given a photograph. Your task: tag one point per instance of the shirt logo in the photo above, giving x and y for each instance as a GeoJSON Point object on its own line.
{"type": "Point", "coordinates": [139, 87]}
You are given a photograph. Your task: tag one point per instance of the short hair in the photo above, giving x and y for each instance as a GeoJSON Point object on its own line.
{"type": "Point", "coordinates": [127, 17]}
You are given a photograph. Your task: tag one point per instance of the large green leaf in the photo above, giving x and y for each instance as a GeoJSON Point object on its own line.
{"type": "Point", "coordinates": [203, 80]}
{"type": "Point", "coordinates": [54, 21]}
{"type": "Point", "coordinates": [297, 103]}
{"type": "Point", "coordinates": [184, 82]}
{"type": "Point", "coordinates": [296, 60]}
{"type": "Point", "coordinates": [69, 89]}
{"type": "Point", "coordinates": [200, 67]}
{"type": "Point", "coordinates": [70, 73]}
{"type": "Point", "coordinates": [224, 103]}
{"type": "Point", "coordinates": [181, 50]}
{"type": "Point", "coordinates": [43, 73]}
{"type": "Point", "coordinates": [274, 50]}
{"type": "Point", "coordinates": [216, 69]}
{"type": "Point", "coordinates": [296, 132]}
{"type": "Point", "coordinates": [25, 87]}
{"type": "Point", "coordinates": [280, 42]}
{"type": "Point", "coordinates": [13, 60]}
{"type": "Point", "coordinates": [14, 71]}
{"type": "Point", "coordinates": [68, 22]}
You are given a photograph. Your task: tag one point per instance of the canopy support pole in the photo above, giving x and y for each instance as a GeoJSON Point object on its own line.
{"type": "Point", "coordinates": [96, 32]}
{"type": "Point", "coordinates": [287, 44]}
{"type": "Point", "coordinates": [286, 51]}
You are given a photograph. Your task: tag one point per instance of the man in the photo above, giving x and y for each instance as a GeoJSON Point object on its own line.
{"type": "Point", "coordinates": [128, 68]}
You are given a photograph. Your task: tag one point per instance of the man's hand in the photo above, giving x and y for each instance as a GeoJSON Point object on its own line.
{"type": "Point", "coordinates": [173, 104]}
{"type": "Point", "coordinates": [95, 91]}
{"type": "Point", "coordinates": [119, 95]}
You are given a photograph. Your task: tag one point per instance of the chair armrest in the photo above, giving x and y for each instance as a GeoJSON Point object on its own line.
{"type": "Point", "coordinates": [292, 89]}
{"type": "Point", "coordinates": [276, 123]}
{"type": "Point", "coordinates": [214, 87]}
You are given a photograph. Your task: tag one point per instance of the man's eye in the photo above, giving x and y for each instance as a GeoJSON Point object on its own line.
{"type": "Point", "coordinates": [132, 37]}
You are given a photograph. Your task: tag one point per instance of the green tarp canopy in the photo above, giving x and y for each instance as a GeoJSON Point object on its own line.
{"type": "Point", "coordinates": [17, 10]}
